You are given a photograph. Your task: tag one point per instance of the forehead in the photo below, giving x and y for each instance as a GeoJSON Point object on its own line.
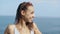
{"type": "Point", "coordinates": [30, 8]}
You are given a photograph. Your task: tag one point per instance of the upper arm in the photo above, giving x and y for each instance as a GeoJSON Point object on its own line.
{"type": "Point", "coordinates": [36, 30]}
{"type": "Point", "coordinates": [9, 30]}
{"type": "Point", "coordinates": [6, 30]}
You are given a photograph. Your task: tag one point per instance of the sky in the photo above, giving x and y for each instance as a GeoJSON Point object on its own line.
{"type": "Point", "coordinates": [42, 8]}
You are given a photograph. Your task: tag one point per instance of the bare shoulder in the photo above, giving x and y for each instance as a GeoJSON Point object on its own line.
{"type": "Point", "coordinates": [11, 26]}
{"type": "Point", "coordinates": [9, 29]}
{"type": "Point", "coordinates": [34, 24]}
{"type": "Point", "coordinates": [37, 31]}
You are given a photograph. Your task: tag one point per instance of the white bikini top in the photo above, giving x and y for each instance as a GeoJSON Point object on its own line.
{"type": "Point", "coordinates": [17, 32]}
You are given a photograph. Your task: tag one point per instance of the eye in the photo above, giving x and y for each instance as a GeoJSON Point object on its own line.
{"type": "Point", "coordinates": [32, 12]}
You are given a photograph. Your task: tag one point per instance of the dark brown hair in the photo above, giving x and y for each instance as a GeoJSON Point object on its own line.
{"type": "Point", "coordinates": [22, 6]}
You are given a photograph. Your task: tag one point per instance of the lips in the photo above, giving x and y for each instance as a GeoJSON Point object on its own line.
{"type": "Point", "coordinates": [31, 19]}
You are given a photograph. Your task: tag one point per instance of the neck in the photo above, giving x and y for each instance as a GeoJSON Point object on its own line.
{"type": "Point", "coordinates": [22, 22]}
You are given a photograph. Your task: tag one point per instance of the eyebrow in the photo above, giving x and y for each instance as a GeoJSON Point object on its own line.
{"type": "Point", "coordinates": [32, 12]}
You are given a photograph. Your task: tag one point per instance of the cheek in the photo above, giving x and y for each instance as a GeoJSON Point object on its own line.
{"type": "Point", "coordinates": [28, 16]}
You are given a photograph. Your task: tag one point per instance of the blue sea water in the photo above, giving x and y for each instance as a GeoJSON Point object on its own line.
{"type": "Point", "coordinates": [45, 25]}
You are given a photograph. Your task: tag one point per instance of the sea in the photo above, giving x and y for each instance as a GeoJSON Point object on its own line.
{"type": "Point", "coordinates": [47, 25]}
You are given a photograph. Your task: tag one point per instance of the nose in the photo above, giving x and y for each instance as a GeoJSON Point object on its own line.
{"type": "Point", "coordinates": [33, 16]}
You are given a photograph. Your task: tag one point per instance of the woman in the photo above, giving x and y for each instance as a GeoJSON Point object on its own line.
{"type": "Point", "coordinates": [24, 21]}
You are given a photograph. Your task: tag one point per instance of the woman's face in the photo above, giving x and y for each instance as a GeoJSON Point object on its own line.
{"type": "Point", "coordinates": [29, 14]}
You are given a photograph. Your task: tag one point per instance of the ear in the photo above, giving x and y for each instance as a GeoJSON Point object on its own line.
{"type": "Point", "coordinates": [22, 12]}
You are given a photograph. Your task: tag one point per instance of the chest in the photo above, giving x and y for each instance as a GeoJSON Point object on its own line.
{"type": "Point", "coordinates": [22, 30]}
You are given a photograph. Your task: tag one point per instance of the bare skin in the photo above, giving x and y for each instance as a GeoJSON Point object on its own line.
{"type": "Point", "coordinates": [10, 29]}
{"type": "Point", "coordinates": [22, 28]}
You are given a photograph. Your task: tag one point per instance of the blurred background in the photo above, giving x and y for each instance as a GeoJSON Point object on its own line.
{"type": "Point", "coordinates": [47, 14]}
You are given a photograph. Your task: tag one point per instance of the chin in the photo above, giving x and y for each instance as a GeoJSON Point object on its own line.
{"type": "Point", "coordinates": [30, 21]}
